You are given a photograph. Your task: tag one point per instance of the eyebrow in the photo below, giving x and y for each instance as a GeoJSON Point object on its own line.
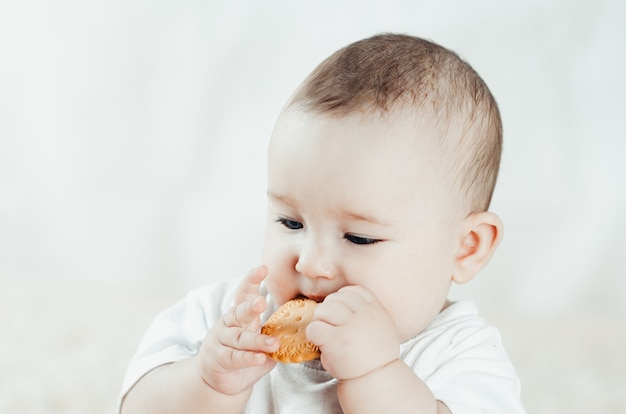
{"type": "Point", "coordinates": [281, 198]}
{"type": "Point", "coordinates": [350, 215]}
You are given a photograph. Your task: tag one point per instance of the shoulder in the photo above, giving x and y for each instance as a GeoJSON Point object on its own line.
{"type": "Point", "coordinates": [463, 361]}
{"type": "Point", "coordinates": [194, 314]}
{"type": "Point", "coordinates": [185, 323]}
{"type": "Point", "coordinates": [212, 299]}
{"type": "Point", "coordinates": [456, 326]}
{"type": "Point", "coordinates": [461, 325]}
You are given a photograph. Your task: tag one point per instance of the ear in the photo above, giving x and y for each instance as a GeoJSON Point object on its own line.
{"type": "Point", "coordinates": [479, 237]}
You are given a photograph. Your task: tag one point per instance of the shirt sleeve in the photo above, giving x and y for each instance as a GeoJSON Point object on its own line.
{"type": "Point", "coordinates": [479, 378]}
{"type": "Point", "coordinates": [177, 332]}
{"type": "Point", "coordinates": [465, 365]}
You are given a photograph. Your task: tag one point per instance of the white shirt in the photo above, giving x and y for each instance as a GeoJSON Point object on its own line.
{"type": "Point", "coordinates": [459, 356]}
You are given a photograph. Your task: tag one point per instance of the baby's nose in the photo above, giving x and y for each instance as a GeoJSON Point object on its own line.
{"type": "Point", "coordinates": [318, 260]}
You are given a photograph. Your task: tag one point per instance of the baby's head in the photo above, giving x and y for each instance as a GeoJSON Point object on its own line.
{"type": "Point", "coordinates": [388, 73]}
{"type": "Point", "coordinates": [380, 170]}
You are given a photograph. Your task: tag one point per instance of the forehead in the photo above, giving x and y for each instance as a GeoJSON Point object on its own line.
{"type": "Point", "coordinates": [360, 158]}
{"type": "Point", "coordinates": [397, 135]}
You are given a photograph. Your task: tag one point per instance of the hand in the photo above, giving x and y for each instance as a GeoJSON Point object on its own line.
{"type": "Point", "coordinates": [232, 356]}
{"type": "Point", "coordinates": [355, 333]}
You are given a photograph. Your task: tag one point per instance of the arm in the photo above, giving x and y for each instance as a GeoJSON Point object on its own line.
{"type": "Point", "coordinates": [371, 377]}
{"type": "Point", "coordinates": [221, 376]}
{"type": "Point", "coordinates": [178, 387]}
{"type": "Point", "coordinates": [392, 388]}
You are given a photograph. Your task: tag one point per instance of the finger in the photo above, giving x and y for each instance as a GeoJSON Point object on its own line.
{"type": "Point", "coordinates": [333, 311]}
{"type": "Point", "coordinates": [244, 314]}
{"type": "Point", "coordinates": [320, 333]}
{"type": "Point", "coordinates": [250, 285]}
{"type": "Point", "coordinates": [356, 292]}
{"type": "Point", "coordinates": [245, 340]}
{"type": "Point", "coordinates": [339, 308]}
{"type": "Point", "coordinates": [233, 359]}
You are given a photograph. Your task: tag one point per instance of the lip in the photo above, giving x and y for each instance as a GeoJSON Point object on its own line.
{"type": "Point", "coordinates": [316, 298]}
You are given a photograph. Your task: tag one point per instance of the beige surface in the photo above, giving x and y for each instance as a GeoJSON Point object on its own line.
{"type": "Point", "coordinates": [63, 349]}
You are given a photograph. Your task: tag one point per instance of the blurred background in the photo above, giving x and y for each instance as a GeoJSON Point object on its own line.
{"type": "Point", "coordinates": [132, 168]}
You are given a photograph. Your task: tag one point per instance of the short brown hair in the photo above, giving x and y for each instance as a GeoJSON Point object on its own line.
{"type": "Point", "coordinates": [387, 70]}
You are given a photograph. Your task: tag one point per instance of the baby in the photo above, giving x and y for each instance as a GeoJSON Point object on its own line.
{"type": "Point", "coordinates": [381, 168]}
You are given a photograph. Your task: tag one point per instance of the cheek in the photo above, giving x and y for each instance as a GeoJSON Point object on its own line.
{"type": "Point", "coordinates": [413, 306]}
{"type": "Point", "coordinates": [413, 289]}
{"type": "Point", "coordinates": [280, 260]}
{"type": "Point", "coordinates": [278, 251]}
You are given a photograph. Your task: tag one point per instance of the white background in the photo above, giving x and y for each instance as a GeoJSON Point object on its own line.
{"type": "Point", "coordinates": [132, 159]}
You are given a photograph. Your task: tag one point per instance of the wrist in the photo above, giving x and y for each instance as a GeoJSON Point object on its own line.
{"type": "Point", "coordinates": [221, 397]}
{"type": "Point", "coordinates": [373, 372]}
{"type": "Point", "coordinates": [392, 387]}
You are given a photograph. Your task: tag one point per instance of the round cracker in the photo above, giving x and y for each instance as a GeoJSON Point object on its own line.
{"type": "Point", "coordinates": [289, 323]}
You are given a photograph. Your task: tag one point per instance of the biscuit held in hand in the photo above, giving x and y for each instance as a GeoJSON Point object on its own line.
{"type": "Point", "coordinates": [289, 324]}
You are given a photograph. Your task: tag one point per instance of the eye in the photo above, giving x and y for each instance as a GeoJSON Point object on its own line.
{"type": "Point", "coordinates": [360, 240]}
{"type": "Point", "coordinates": [290, 224]}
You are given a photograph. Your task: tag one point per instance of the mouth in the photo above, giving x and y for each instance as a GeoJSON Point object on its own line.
{"type": "Point", "coordinates": [316, 298]}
